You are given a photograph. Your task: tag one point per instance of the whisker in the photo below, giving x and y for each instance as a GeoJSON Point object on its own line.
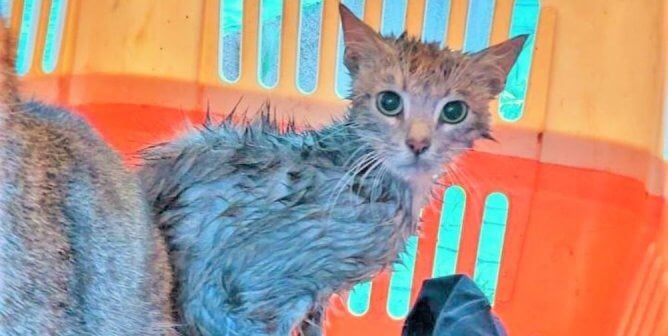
{"type": "Point", "coordinates": [468, 184]}
{"type": "Point", "coordinates": [359, 165]}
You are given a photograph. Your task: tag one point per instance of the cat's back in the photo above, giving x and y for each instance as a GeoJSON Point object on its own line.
{"type": "Point", "coordinates": [62, 136]}
{"type": "Point", "coordinates": [57, 152]}
{"type": "Point", "coordinates": [76, 242]}
{"type": "Point", "coordinates": [78, 250]}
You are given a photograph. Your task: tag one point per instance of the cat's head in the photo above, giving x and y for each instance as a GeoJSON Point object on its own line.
{"type": "Point", "coordinates": [416, 104]}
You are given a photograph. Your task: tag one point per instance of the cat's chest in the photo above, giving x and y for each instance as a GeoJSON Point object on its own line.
{"type": "Point", "coordinates": [288, 188]}
{"type": "Point", "coordinates": [328, 185]}
{"type": "Point", "coordinates": [314, 207]}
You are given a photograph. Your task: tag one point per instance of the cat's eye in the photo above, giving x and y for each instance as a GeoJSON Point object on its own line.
{"type": "Point", "coordinates": [454, 112]}
{"type": "Point", "coordinates": [389, 103]}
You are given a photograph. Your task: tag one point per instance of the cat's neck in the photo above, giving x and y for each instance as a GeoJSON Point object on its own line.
{"type": "Point", "coordinates": [348, 147]}
{"type": "Point", "coordinates": [342, 142]}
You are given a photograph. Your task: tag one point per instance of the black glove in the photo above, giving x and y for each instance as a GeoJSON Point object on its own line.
{"type": "Point", "coordinates": [452, 306]}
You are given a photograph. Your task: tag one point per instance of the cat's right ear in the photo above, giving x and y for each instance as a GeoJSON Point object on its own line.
{"type": "Point", "coordinates": [494, 63]}
{"type": "Point", "coordinates": [360, 40]}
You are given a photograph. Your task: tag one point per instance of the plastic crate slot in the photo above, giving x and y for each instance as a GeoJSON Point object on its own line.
{"type": "Point", "coordinates": [308, 57]}
{"type": "Point", "coordinates": [229, 44]}
{"type": "Point", "coordinates": [54, 35]}
{"type": "Point", "coordinates": [343, 80]}
{"type": "Point", "coordinates": [435, 25]}
{"type": "Point", "coordinates": [26, 43]}
{"type": "Point", "coordinates": [512, 99]}
{"type": "Point", "coordinates": [269, 49]}
{"type": "Point", "coordinates": [359, 298]}
{"type": "Point", "coordinates": [401, 281]}
{"type": "Point", "coordinates": [393, 17]}
{"type": "Point", "coordinates": [449, 232]}
{"type": "Point", "coordinates": [490, 246]}
{"type": "Point", "coordinates": [478, 25]}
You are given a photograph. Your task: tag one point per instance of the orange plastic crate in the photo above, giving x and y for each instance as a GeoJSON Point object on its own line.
{"type": "Point", "coordinates": [581, 172]}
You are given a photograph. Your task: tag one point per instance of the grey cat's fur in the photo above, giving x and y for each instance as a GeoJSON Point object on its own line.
{"type": "Point", "coordinates": [264, 226]}
{"type": "Point", "coordinates": [78, 252]}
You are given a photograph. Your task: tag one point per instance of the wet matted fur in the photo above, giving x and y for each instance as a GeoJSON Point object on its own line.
{"type": "Point", "coordinates": [263, 226]}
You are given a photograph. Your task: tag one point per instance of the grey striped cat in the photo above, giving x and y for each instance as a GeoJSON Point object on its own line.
{"type": "Point", "coordinates": [79, 254]}
{"type": "Point", "coordinates": [263, 225]}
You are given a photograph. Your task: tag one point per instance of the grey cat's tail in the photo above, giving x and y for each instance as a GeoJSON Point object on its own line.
{"type": "Point", "coordinates": [9, 96]}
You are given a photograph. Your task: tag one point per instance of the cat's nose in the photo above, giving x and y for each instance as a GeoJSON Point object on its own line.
{"type": "Point", "coordinates": [418, 146]}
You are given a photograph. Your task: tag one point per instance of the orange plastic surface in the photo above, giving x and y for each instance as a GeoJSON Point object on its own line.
{"type": "Point", "coordinates": [586, 247]}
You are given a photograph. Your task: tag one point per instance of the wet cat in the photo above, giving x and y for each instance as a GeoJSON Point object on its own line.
{"type": "Point", "coordinates": [79, 254]}
{"type": "Point", "coordinates": [263, 226]}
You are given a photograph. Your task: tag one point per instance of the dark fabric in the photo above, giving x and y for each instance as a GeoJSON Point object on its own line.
{"type": "Point", "coordinates": [452, 306]}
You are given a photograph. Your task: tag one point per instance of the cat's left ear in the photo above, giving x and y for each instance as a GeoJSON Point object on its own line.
{"type": "Point", "coordinates": [495, 62]}
{"type": "Point", "coordinates": [361, 41]}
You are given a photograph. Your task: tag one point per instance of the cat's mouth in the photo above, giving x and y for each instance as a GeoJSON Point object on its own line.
{"type": "Point", "coordinates": [414, 164]}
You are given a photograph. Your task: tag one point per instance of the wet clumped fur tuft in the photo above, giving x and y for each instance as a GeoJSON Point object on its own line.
{"type": "Point", "coordinates": [264, 224]}
{"type": "Point", "coordinates": [79, 253]}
